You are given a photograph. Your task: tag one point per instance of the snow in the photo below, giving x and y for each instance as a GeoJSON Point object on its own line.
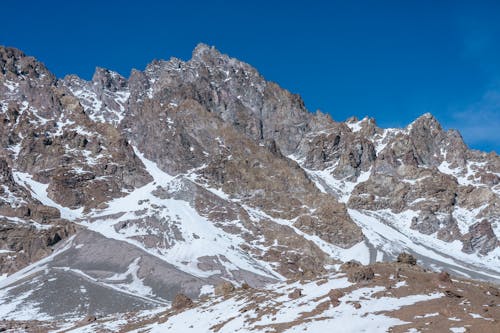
{"type": "Point", "coordinates": [200, 238]}
{"type": "Point", "coordinates": [10, 197]}
{"type": "Point", "coordinates": [82, 131]}
{"type": "Point", "coordinates": [5, 107]}
{"type": "Point", "coordinates": [39, 192]}
{"type": "Point", "coordinates": [466, 217]}
{"type": "Point", "coordinates": [327, 183]}
{"type": "Point", "coordinates": [136, 286]}
{"type": "Point", "coordinates": [359, 252]}
{"type": "Point", "coordinates": [457, 329]}
{"type": "Point", "coordinates": [427, 315]}
{"type": "Point", "coordinates": [11, 85]}
{"type": "Point", "coordinates": [400, 284]}
{"type": "Point", "coordinates": [464, 176]}
{"type": "Point", "coordinates": [355, 126]}
{"type": "Point", "coordinates": [344, 318]}
{"type": "Point", "coordinates": [94, 106]}
{"type": "Point", "coordinates": [19, 308]}
{"type": "Point", "coordinates": [16, 149]}
{"type": "Point", "coordinates": [478, 316]}
{"type": "Point", "coordinates": [381, 141]}
{"type": "Point", "coordinates": [207, 290]}
{"type": "Point", "coordinates": [107, 326]}
{"type": "Point", "coordinates": [35, 267]}
{"type": "Point", "coordinates": [397, 236]}
{"type": "Point", "coordinates": [62, 124]}
{"type": "Point", "coordinates": [153, 169]}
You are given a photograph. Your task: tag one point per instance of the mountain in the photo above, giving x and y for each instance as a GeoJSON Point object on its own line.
{"type": "Point", "coordinates": [119, 195]}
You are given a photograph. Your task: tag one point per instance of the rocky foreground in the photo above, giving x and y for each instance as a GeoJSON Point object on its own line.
{"type": "Point", "coordinates": [119, 194]}
{"type": "Point", "coordinates": [382, 297]}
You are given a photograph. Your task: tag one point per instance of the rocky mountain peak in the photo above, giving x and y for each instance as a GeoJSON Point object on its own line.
{"type": "Point", "coordinates": [205, 53]}
{"type": "Point", "coordinates": [426, 122]}
{"type": "Point", "coordinates": [14, 63]}
{"type": "Point", "coordinates": [108, 80]}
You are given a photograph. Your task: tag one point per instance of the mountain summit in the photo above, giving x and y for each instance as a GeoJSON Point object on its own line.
{"type": "Point", "coordinates": [189, 178]}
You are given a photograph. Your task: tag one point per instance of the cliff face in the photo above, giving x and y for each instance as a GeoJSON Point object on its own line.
{"type": "Point", "coordinates": [190, 173]}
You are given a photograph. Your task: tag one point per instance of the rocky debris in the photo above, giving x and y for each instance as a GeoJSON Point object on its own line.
{"type": "Point", "coordinates": [181, 302]}
{"type": "Point", "coordinates": [306, 264]}
{"type": "Point", "coordinates": [34, 326]}
{"type": "Point", "coordinates": [428, 224]}
{"type": "Point", "coordinates": [444, 277]}
{"type": "Point", "coordinates": [28, 229]}
{"type": "Point", "coordinates": [348, 265]}
{"type": "Point", "coordinates": [361, 274]}
{"type": "Point", "coordinates": [251, 306]}
{"type": "Point", "coordinates": [480, 238]}
{"type": "Point", "coordinates": [27, 243]}
{"type": "Point", "coordinates": [335, 296]}
{"type": "Point", "coordinates": [406, 258]}
{"type": "Point", "coordinates": [350, 153]}
{"type": "Point", "coordinates": [17, 202]}
{"type": "Point", "coordinates": [224, 288]}
{"type": "Point", "coordinates": [452, 294]}
{"type": "Point", "coordinates": [296, 293]}
{"type": "Point", "coordinates": [491, 290]}
{"type": "Point", "coordinates": [89, 319]}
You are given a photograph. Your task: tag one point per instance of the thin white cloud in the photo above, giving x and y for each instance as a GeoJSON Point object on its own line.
{"type": "Point", "coordinates": [479, 123]}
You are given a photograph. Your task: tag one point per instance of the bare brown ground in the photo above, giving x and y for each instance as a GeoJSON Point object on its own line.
{"type": "Point", "coordinates": [470, 304]}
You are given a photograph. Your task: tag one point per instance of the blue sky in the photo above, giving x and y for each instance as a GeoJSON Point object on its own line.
{"type": "Point", "coordinates": [391, 60]}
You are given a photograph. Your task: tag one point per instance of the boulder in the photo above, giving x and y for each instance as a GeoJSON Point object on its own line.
{"type": "Point", "coordinates": [296, 293]}
{"type": "Point", "coordinates": [406, 258]}
{"type": "Point", "coordinates": [181, 301]}
{"type": "Point", "coordinates": [360, 274]}
{"type": "Point", "coordinates": [224, 288]}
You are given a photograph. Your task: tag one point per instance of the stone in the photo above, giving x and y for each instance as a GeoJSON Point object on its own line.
{"type": "Point", "coordinates": [480, 238]}
{"type": "Point", "coordinates": [406, 258]}
{"type": "Point", "coordinates": [335, 296]}
{"type": "Point", "coordinates": [296, 293]}
{"type": "Point", "coordinates": [181, 302]}
{"type": "Point", "coordinates": [89, 319]}
{"type": "Point", "coordinates": [444, 277]}
{"type": "Point", "coordinates": [452, 294]}
{"type": "Point", "coordinates": [362, 274]}
{"type": "Point", "coordinates": [224, 288]}
{"type": "Point", "coordinates": [349, 265]}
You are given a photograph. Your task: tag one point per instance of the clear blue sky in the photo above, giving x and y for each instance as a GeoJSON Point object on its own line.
{"type": "Point", "coordinates": [391, 60]}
